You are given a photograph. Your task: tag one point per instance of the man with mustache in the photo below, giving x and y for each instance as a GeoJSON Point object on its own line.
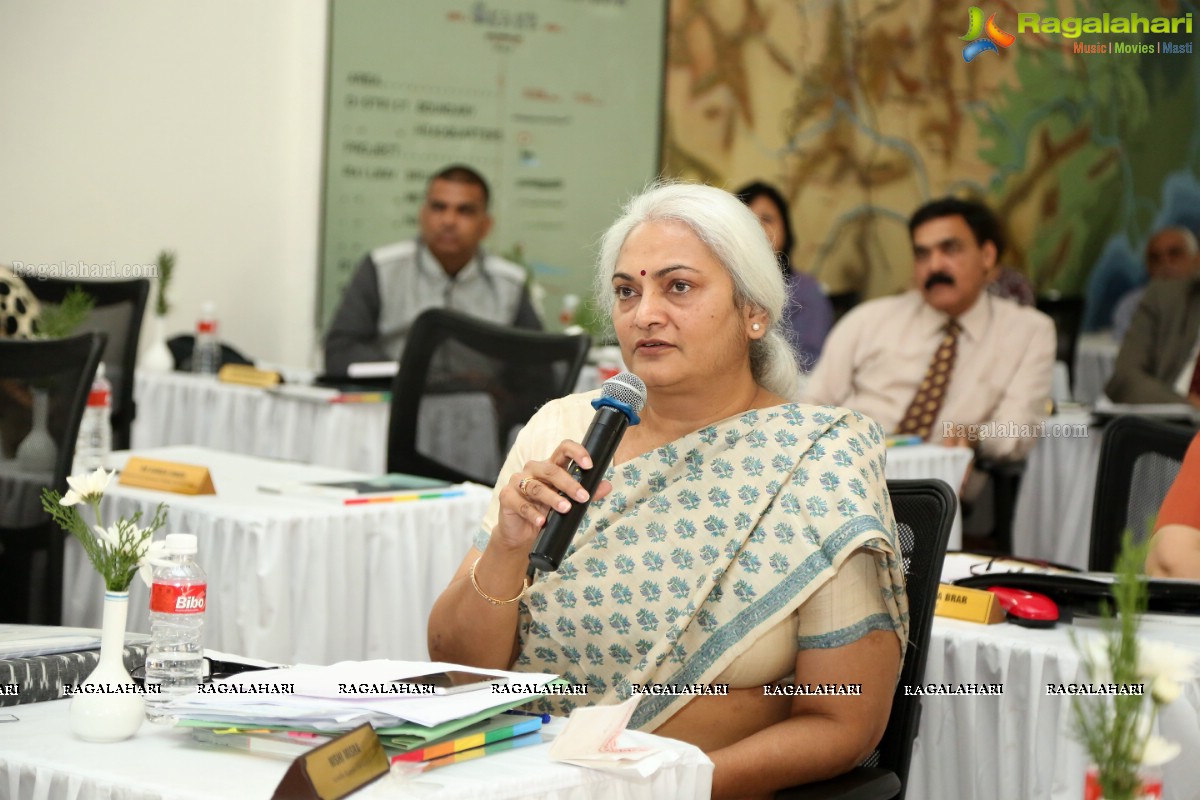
{"type": "Point", "coordinates": [945, 355]}
{"type": "Point", "coordinates": [443, 267]}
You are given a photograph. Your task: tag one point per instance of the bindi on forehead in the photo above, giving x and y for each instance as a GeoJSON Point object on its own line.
{"type": "Point", "coordinates": [643, 273]}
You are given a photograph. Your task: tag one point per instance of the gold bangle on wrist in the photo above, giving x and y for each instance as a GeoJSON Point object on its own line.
{"type": "Point", "coordinates": [488, 597]}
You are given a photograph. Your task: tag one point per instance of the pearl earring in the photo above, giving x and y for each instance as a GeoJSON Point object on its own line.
{"type": "Point", "coordinates": [756, 327]}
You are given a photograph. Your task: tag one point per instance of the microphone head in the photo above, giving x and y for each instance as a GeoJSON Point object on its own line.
{"type": "Point", "coordinates": [625, 388]}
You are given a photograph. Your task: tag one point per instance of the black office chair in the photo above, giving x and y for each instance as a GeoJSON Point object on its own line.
{"type": "Point", "coordinates": [454, 360]}
{"type": "Point", "coordinates": [924, 512]}
{"type": "Point", "coordinates": [1006, 487]}
{"type": "Point", "coordinates": [1067, 313]}
{"type": "Point", "coordinates": [43, 393]}
{"type": "Point", "coordinates": [843, 302]}
{"type": "Point", "coordinates": [118, 313]}
{"type": "Point", "coordinates": [1139, 460]}
{"type": "Point", "coordinates": [181, 348]}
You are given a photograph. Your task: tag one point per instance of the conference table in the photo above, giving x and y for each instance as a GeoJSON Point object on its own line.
{"type": "Point", "coordinates": [1053, 516]}
{"type": "Point", "coordinates": [1095, 357]}
{"type": "Point", "coordinates": [293, 579]}
{"type": "Point", "coordinates": [40, 758]}
{"type": "Point", "coordinates": [20, 494]}
{"type": "Point", "coordinates": [311, 425]}
{"type": "Point", "coordinates": [922, 461]}
{"type": "Point", "coordinates": [1019, 744]}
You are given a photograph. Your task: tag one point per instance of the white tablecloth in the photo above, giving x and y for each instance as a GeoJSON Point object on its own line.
{"type": "Point", "coordinates": [1018, 745]}
{"type": "Point", "coordinates": [39, 758]}
{"type": "Point", "coordinates": [181, 408]}
{"type": "Point", "coordinates": [1053, 518]}
{"type": "Point", "coordinates": [20, 494]}
{"type": "Point", "coordinates": [933, 461]}
{"type": "Point", "coordinates": [290, 579]}
{"type": "Point", "coordinates": [1095, 356]}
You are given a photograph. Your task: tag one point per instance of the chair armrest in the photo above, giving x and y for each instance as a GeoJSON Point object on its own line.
{"type": "Point", "coordinates": [860, 783]}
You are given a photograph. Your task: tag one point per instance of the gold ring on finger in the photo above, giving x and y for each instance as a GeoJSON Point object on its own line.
{"type": "Point", "coordinates": [521, 486]}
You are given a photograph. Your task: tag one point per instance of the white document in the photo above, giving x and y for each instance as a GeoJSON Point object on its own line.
{"type": "Point", "coordinates": [333, 696]}
{"type": "Point", "coordinates": [591, 738]}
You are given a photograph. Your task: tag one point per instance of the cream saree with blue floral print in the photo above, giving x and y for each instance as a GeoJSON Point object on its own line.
{"type": "Point", "coordinates": [704, 545]}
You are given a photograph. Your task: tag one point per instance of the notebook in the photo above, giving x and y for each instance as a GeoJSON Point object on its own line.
{"type": "Point", "coordinates": [393, 487]}
{"type": "Point", "coordinates": [496, 729]}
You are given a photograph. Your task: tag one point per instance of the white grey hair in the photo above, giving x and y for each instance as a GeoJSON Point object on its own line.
{"type": "Point", "coordinates": [735, 236]}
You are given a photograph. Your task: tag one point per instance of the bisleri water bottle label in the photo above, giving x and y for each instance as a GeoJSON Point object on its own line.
{"type": "Point", "coordinates": [166, 598]}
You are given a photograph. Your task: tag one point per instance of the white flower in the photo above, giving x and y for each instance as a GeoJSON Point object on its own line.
{"type": "Point", "coordinates": [153, 554]}
{"type": "Point", "coordinates": [84, 487]}
{"type": "Point", "coordinates": [1158, 751]}
{"type": "Point", "coordinates": [1166, 668]}
{"type": "Point", "coordinates": [110, 536]}
{"type": "Point", "coordinates": [1095, 656]}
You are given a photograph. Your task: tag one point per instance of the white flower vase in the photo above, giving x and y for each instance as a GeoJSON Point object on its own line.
{"type": "Point", "coordinates": [37, 451]}
{"type": "Point", "coordinates": [115, 711]}
{"type": "Point", "coordinates": [157, 357]}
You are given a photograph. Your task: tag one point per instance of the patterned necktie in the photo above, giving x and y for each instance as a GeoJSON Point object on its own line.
{"type": "Point", "coordinates": [923, 409]}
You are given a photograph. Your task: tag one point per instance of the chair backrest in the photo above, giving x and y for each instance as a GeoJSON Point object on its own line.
{"type": "Point", "coordinates": [43, 392]}
{"type": "Point", "coordinates": [466, 385]}
{"type": "Point", "coordinates": [924, 511]}
{"type": "Point", "coordinates": [1067, 313]}
{"type": "Point", "coordinates": [118, 313]}
{"type": "Point", "coordinates": [1138, 462]}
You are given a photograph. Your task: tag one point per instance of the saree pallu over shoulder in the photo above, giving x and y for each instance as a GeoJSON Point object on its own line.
{"type": "Point", "coordinates": [705, 544]}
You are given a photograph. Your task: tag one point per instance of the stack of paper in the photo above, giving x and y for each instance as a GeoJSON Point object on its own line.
{"type": "Point", "coordinates": [342, 696]}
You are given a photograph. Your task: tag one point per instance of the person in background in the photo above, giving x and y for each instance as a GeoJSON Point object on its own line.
{"type": "Point", "coordinates": [945, 355]}
{"type": "Point", "coordinates": [1171, 253]}
{"type": "Point", "coordinates": [443, 267]}
{"type": "Point", "coordinates": [739, 538]}
{"type": "Point", "coordinates": [808, 315]}
{"type": "Point", "coordinates": [1159, 354]}
{"type": "Point", "coordinates": [1175, 547]}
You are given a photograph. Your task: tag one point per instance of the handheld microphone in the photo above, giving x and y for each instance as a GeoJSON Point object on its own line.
{"type": "Point", "coordinates": [621, 398]}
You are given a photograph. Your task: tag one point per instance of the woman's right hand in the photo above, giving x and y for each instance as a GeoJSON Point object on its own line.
{"type": "Point", "coordinates": [534, 491]}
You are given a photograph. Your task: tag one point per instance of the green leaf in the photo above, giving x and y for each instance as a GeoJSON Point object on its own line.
{"type": "Point", "coordinates": [166, 268]}
{"type": "Point", "coordinates": [60, 321]}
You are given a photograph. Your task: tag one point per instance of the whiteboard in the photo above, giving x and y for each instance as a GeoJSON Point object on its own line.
{"type": "Point", "coordinates": [557, 103]}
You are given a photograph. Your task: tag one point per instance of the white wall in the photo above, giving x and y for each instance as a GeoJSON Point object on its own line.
{"type": "Point", "coordinates": [129, 126]}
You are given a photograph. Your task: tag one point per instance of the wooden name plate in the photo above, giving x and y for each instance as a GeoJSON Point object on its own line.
{"type": "Point", "coordinates": [247, 375]}
{"type": "Point", "coordinates": [336, 768]}
{"type": "Point", "coordinates": [166, 476]}
{"type": "Point", "coordinates": [972, 605]}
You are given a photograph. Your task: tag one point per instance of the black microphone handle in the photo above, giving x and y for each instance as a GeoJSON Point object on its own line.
{"type": "Point", "coordinates": [601, 442]}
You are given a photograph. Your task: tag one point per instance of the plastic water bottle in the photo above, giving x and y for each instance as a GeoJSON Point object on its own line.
{"type": "Point", "coordinates": [177, 602]}
{"type": "Point", "coordinates": [570, 308]}
{"type": "Point", "coordinates": [206, 354]}
{"type": "Point", "coordinates": [95, 430]}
